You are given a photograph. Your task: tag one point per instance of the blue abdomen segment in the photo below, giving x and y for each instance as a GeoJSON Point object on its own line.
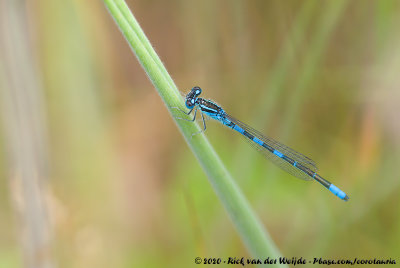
{"type": "Point", "coordinates": [258, 141]}
{"type": "Point", "coordinates": [276, 152]}
{"type": "Point", "coordinates": [339, 193]}
{"type": "Point", "coordinates": [238, 129]}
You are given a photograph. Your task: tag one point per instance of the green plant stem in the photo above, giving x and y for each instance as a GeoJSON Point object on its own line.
{"type": "Point", "coordinates": [247, 223]}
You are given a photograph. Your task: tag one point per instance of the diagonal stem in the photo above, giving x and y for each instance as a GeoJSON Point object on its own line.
{"type": "Point", "coordinates": [254, 235]}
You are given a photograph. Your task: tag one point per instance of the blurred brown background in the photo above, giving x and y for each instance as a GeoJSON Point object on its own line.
{"type": "Point", "coordinates": [85, 134]}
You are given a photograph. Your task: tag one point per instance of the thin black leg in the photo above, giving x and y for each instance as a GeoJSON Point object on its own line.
{"type": "Point", "coordinates": [182, 111]}
{"type": "Point", "coordinates": [204, 122]}
{"type": "Point", "coordinates": [204, 125]}
{"type": "Point", "coordinates": [190, 120]}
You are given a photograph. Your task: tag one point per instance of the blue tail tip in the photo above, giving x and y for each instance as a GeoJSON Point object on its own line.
{"type": "Point", "coordinates": [339, 193]}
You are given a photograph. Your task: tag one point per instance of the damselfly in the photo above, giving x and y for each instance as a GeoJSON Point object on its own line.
{"type": "Point", "coordinates": [286, 158]}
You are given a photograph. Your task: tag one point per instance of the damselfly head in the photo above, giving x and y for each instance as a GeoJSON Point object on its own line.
{"type": "Point", "coordinates": [191, 97]}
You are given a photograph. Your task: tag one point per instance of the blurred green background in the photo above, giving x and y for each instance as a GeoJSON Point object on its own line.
{"type": "Point", "coordinates": [121, 186]}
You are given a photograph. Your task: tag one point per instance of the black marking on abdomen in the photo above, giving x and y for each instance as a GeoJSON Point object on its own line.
{"type": "Point", "coordinates": [321, 180]}
{"type": "Point", "coordinates": [307, 171]}
{"type": "Point", "coordinates": [231, 125]}
{"type": "Point", "coordinates": [269, 148]}
{"type": "Point", "coordinates": [248, 135]}
{"type": "Point", "coordinates": [288, 159]}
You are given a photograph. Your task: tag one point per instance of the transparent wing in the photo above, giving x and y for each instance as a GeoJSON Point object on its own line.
{"type": "Point", "coordinates": [283, 164]}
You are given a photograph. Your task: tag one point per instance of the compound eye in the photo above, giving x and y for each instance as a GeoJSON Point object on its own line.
{"type": "Point", "coordinates": [189, 103]}
{"type": "Point", "coordinates": [196, 90]}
